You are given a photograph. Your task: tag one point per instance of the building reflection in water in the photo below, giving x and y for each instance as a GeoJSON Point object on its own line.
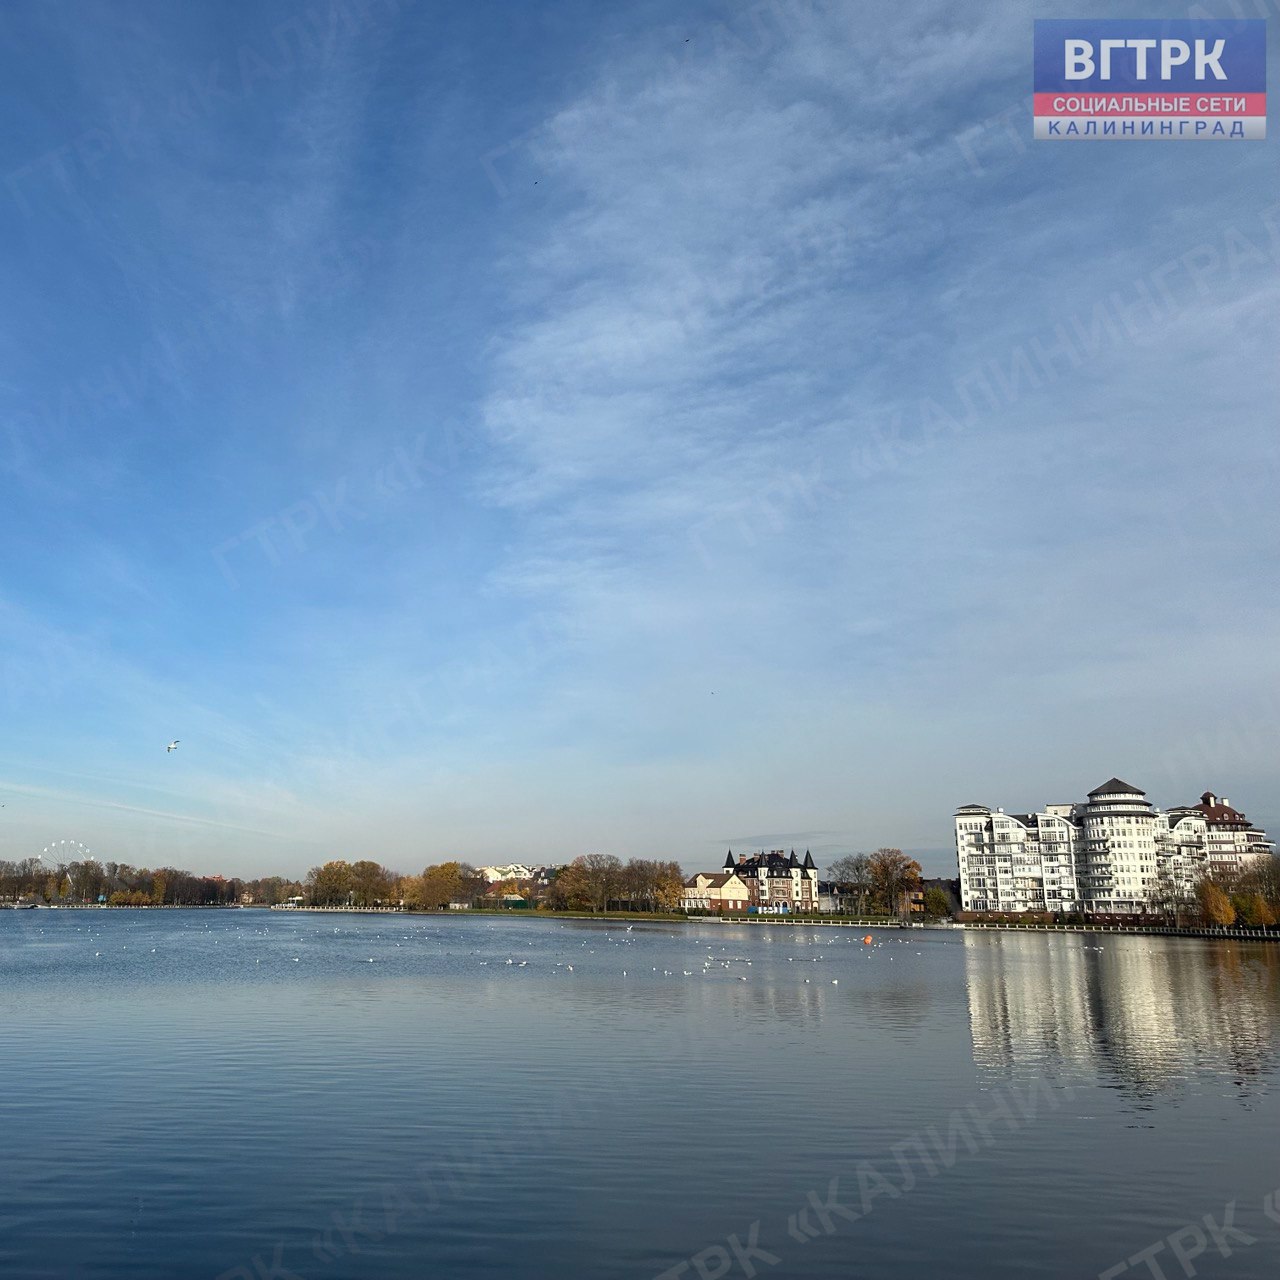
{"type": "Point", "coordinates": [1145, 1012]}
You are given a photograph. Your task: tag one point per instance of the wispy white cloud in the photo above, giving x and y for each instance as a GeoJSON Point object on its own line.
{"type": "Point", "coordinates": [752, 270]}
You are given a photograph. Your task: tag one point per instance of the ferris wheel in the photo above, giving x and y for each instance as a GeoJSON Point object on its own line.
{"type": "Point", "coordinates": [58, 853]}
{"type": "Point", "coordinates": [65, 851]}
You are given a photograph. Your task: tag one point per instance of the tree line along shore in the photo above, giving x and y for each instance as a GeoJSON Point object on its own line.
{"type": "Point", "coordinates": [590, 883]}
{"type": "Point", "coordinates": [865, 886]}
{"type": "Point", "coordinates": [873, 885]}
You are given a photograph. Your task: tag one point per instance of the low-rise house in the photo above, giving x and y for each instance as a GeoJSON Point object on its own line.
{"type": "Point", "coordinates": [509, 871]}
{"type": "Point", "coordinates": [709, 891]}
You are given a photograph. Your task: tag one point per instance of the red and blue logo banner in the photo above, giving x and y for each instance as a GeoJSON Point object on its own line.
{"type": "Point", "coordinates": [1150, 78]}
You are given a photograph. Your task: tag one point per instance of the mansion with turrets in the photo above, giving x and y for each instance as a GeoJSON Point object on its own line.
{"type": "Point", "coordinates": [1114, 854]}
{"type": "Point", "coordinates": [773, 882]}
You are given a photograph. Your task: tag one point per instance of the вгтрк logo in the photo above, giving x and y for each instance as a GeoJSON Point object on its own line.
{"type": "Point", "coordinates": [1150, 78]}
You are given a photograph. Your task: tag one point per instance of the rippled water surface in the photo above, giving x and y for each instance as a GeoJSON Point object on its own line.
{"type": "Point", "coordinates": [249, 1093]}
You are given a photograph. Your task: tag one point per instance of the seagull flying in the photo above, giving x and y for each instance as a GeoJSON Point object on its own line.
{"type": "Point", "coordinates": [173, 746]}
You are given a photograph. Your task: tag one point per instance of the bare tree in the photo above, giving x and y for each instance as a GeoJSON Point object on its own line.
{"type": "Point", "coordinates": [853, 874]}
{"type": "Point", "coordinates": [604, 876]}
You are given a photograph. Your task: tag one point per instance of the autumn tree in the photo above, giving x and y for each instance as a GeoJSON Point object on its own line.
{"type": "Point", "coordinates": [650, 885]}
{"type": "Point", "coordinates": [603, 878]}
{"type": "Point", "coordinates": [573, 889]}
{"type": "Point", "coordinates": [894, 876]}
{"type": "Point", "coordinates": [29, 876]}
{"type": "Point", "coordinates": [471, 884]}
{"type": "Point", "coordinates": [269, 890]}
{"type": "Point", "coordinates": [1215, 905]}
{"type": "Point", "coordinates": [1267, 871]}
{"type": "Point", "coordinates": [557, 893]}
{"type": "Point", "coordinates": [1252, 909]}
{"type": "Point", "coordinates": [329, 885]}
{"type": "Point", "coordinates": [635, 885]}
{"type": "Point", "coordinates": [668, 885]}
{"type": "Point", "coordinates": [440, 885]}
{"type": "Point", "coordinates": [370, 883]}
{"type": "Point", "coordinates": [1263, 877]}
{"type": "Point", "coordinates": [402, 890]}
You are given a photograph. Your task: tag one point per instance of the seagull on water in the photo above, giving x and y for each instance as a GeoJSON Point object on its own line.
{"type": "Point", "coordinates": [173, 746]}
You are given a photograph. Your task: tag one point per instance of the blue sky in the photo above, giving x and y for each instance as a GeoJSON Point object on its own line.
{"type": "Point", "coordinates": [516, 431]}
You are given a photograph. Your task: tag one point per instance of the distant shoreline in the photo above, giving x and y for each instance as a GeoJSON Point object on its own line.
{"type": "Point", "coordinates": [1257, 934]}
{"type": "Point", "coordinates": [120, 906]}
{"type": "Point", "coordinates": [883, 922]}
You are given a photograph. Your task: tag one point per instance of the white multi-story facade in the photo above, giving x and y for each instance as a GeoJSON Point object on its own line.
{"type": "Point", "coordinates": [1116, 853]}
{"type": "Point", "coordinates": [1017, 861]}
{"type": "Point", "coordinates": [1231, 840]}
{"type": "Point", "coordinates": [1122, 834]}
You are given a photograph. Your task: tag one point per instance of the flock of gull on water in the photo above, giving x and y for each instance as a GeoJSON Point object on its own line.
{"type": "Point", "coordinates": [708, 961]}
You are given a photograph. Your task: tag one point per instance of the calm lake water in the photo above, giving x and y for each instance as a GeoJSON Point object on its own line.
{"type": "Point", "coordinates": [252, 1093]}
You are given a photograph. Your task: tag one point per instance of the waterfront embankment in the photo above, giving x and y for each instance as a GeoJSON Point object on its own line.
{"type": "Point", "coordinates": [1259, 934]}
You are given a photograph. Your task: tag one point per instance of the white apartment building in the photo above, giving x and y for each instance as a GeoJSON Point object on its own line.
{"type": "Point", "coordinates": [1017, 861]}
{"type": "Point", "coordinates": [1116, 853]}
{"type": "Point", "coordinates": [1122, 833]}
{"type": "Point", "coordinates": [1230, 839]}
